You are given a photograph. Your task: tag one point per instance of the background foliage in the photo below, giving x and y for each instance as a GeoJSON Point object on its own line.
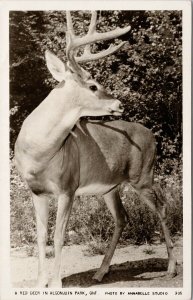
{"type": "Point", "coordinates": [146, 75]}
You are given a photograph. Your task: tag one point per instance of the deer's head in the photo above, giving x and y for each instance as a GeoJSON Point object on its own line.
{"type": "Point", "coordinates": [77, 86]}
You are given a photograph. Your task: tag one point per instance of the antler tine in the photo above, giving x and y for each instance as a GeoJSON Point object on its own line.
{"type": "Point", "coordinates": [88, 56]}
{"type": "Point", "coordinates": [102, 36]}
{"type": "Point", "coordinates": [70, 38]}
{"type": "Point", "coordinates": [69, 23]}
{"type": "Point", "coordinates": [69, 33]}
{"type": "Point", "coordinates": [92, 27]}
{"type": "Point", "coordinates": [91, 30]}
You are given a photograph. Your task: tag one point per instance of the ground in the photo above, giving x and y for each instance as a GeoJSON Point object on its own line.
{"type": "Point", "coordinates": [132, 266]}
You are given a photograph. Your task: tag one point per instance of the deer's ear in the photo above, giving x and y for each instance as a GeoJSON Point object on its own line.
{"type": "Point", "coordinates": [55, 66]}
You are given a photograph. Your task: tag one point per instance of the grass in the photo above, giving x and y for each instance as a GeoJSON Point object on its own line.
{"type": "Point", "coordinates": [149, 250]}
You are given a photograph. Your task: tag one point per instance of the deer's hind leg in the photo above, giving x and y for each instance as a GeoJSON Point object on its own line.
{"type": "Point", "coordinates": [114, 204]}
{"type": "Point", "coordinates": [153, 196]}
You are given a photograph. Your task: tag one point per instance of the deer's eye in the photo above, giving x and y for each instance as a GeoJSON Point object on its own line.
{"type": "Point", "coordinates": [93, 88]}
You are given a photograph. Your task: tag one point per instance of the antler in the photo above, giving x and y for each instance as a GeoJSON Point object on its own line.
{"type": "Point", "coordinates": [74, 42]}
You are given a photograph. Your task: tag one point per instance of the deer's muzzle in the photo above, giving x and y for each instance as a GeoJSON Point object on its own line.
{"type": "Point", "coordinates": [116, 108]}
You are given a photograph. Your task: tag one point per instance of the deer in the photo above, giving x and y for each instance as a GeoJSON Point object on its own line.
{"type": "Point", "coordinates": [62, 155]}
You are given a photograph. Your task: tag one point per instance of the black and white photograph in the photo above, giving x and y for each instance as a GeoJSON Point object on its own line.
{"type": "Point", "coordinates": [98, 125]}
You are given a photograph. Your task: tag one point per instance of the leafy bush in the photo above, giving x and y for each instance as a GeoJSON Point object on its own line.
{"type": "Point", "coordinates": [170, 177]}
{"type": "Point", "coordinates": [21, 211]}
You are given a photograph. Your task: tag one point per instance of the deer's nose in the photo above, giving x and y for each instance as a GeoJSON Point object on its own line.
{"type": "Point", "coordinates": [121, 106]}
{"type": "Point", "coordinates": [116, 108]}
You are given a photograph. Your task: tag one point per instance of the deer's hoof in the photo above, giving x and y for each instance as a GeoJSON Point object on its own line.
{"type": "Point", "coordinates": [42, 283]}
{"type": "Point", "coordinates": [55, 283]}
{"type": "Point", "coordinates": [98, 276]}
{"type": "Point", "coordinates": [172, 269]}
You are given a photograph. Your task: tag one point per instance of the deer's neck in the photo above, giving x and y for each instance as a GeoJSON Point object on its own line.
{"type": "Point", "coordinates": [49, 124]}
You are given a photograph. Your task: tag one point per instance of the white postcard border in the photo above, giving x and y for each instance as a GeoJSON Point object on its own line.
{"type": "Point", "coordinates": [7, 292]}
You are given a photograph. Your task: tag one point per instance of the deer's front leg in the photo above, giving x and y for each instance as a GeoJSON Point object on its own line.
{"type": "Point", "coordinates": [63, 213]}
{"type": "Point", "coordinates": [41, 205]}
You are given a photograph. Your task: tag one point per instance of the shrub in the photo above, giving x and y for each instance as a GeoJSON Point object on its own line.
{"type": "Point", "coordinates": [172, 186]}
{"type": "Point", "coordinates": [21, 211]}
